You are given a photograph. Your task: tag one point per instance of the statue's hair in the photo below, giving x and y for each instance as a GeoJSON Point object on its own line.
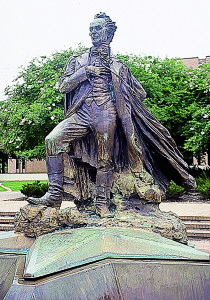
{"type": "Point", "coordinates": [108, 22]}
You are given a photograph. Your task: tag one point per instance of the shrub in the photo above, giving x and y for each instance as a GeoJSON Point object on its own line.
{"type": "Point", "coordinates": [35, 189]}
{"type": "Point", "coordinates": [174, 191]}
{"type": "Point", "coordinates": [203, 186]}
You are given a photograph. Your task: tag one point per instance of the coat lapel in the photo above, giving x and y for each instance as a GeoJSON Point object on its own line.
{"type": "Point", "coordinates": [82, 60]}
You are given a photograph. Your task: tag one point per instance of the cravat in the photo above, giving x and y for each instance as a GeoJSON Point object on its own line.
{"type": "Point", "coordinates": [102, 53]}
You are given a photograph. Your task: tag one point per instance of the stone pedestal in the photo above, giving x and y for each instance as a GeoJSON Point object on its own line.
{"type": "Point", "coordinates": [101, 263]}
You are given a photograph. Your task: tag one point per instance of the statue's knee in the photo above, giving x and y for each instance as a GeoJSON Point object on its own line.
{"type": "Point", "coordinates": [51, 139]}
{"type": "Point", "coordinates": [48, 139]}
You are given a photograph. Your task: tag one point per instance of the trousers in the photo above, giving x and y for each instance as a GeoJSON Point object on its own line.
{"type": "Point", "coordinates": [101, 120]}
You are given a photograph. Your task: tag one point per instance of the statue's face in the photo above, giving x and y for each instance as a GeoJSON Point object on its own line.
{"type": "Point", "coordinates": [98, 32]}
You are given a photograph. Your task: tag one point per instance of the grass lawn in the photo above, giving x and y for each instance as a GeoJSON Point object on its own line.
{"type": "Point", "coordinates": [2, 189]}
{"type": "Point", "coordinates": [17, 185]}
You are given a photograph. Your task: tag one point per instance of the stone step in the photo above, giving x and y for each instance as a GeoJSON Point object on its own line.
{"type": "Point", "coordinates": [6, 227]}
{"type": "Point", "coordinates": [197, 224]}
{"type": "Point", "coordinates": [195, 218]}
{"type": "Point", "coordinates": [197, 233]}
{"type": "Point", "coordinates": [198, 227]}
{"type": "Point", "coordinates": [7, 213]}
{"type": "Point", "coordinates": [6, 219]}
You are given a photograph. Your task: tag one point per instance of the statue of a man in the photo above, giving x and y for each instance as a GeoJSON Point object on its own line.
{"type": "Point", "coordinates": [103, 100]}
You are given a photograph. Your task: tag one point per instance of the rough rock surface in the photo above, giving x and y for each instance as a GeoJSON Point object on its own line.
{"type": "Point", "coordinates": [81, 188]}
{"type": "Point", "coordinates": [128, 191]}
{"type": "Point", "coordinates": [34, 221]}
{"type": "Point", "coordinates": [134, 203]}
{"type": "Point", "coordinates": [126, 185]}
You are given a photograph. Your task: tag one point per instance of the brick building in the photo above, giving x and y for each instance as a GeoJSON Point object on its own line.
{"type": "Point", "coordinates": [28, 166]}
{"type": "Point", "coordinates": [11, 165]}
{"type": "Point", "coordinates": [194, 62]}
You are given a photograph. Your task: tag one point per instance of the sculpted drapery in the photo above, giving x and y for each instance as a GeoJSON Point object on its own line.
{"type": "Point", "coordinates": [139, 138]}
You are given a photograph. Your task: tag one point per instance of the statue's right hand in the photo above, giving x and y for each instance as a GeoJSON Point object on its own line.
{"type": "Point", "coordinates": [96, 71]}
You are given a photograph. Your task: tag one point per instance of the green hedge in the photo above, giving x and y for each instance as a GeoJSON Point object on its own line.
{"type": "Point", "coordinates": [203, 185]}
{"type": "Point", "coordinates": [174, 191]}
{"type": "Point", "coordinates": [35, 189]}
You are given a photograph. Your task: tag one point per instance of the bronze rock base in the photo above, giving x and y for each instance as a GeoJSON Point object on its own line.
{"type": "Point", "coordinates": [34, 221]}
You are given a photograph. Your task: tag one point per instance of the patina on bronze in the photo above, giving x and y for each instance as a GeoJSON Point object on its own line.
{"type": "Point", "coordinates": [107, 129]}
{"type": "Point", "coordinates": [101, 263]}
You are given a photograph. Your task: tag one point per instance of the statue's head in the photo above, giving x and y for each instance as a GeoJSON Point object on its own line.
{"type": "Point", "coordinates": [102, 29]}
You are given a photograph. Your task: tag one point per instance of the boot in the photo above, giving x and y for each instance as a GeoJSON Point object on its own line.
{"type": "Point", "coordinates": [54, 195]}
{"type": "Point", "coordinates": [103, 187]}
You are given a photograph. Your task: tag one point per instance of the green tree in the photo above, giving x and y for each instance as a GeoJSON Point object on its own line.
{"type": "Point", "coordinates": [197, 131]}
{"type": "Point", "coordinates": [34, 105]}
{"type": "Point", "coordinates": [178, 97]}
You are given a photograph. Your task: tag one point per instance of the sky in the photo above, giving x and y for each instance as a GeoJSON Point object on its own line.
{"type": "Point", "coordinates": [32, 28]}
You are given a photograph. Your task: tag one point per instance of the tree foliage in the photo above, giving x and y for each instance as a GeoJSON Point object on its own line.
{"type": "Point", "coordinates": [179, 97]}
{"type": "Point", "coordinates": [34, 105]}
{"type": "Point", "coordinates": [197, 131]}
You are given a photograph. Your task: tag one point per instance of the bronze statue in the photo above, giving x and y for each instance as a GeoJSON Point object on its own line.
{"type": "Point", "coordinates": [107, 128]}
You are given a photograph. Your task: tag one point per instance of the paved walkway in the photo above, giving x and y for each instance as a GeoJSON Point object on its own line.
{"type": "Point", "coordinates": [8, 195]}
{"type": "Point", "coordinates": [187, 208]}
